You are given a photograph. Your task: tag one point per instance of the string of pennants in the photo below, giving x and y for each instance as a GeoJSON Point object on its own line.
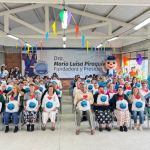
{"type": "Point", "coordinates": [85, 43]}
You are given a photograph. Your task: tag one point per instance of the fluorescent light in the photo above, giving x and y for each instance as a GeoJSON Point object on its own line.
{"type": "Point", "coordinates": [112, 39]}
{"type": "Point", "coordinates": [12, 37]}
{"type": "Point", "coordinates": [100, 45]}
{"type": "Point", "coordinates": [65, 20]}
{"type": "Point", "coordinates": [144, 23]}
{"type": "Point", "coordinates": [64, 38]}
{"type": "Point", "coordinates": [64, 45]}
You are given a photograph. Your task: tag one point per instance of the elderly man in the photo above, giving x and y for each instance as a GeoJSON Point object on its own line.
{"type": "Point", "coordinates": [83, 101]}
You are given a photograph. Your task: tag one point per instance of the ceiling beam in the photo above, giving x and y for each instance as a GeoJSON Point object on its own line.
{"type": "Point", "coordinates": [20, 9]}
{"type": "Point", "coordinates": [6, 23]}
{"type": "Point", "coordinates": [109, 13]}
{"type": "Point", "coordinates": [74, 37]}
{"type": "Point", "coordinates": [47, 24]}
{"type": "Point", "coordinates": [94, 16]}
{"type": "Point", "coordinates": [83, 28]}
{"type": "Point", "coordinates": [89, 2]}
{"type": "Point", "coordinates": [26, 24]}
{"type": "Point", "coordinates": [81, 15]}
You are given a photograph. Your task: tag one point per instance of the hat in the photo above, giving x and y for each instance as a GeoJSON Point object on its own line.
{"type": "Point", "coordinates": [3, 65]}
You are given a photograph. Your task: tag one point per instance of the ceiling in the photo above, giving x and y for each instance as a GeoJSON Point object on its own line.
{"type": "Point", "coordinates": [97, 20]}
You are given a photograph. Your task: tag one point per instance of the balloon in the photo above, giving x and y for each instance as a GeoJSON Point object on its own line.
{"type": "Point", "coordinates": [125, 61]}
{"type": "Point", "coordinates": [139, 59]}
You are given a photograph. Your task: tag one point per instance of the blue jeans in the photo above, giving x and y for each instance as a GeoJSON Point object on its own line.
{"type": "Point", "coordinates": [140, 114]}
{"type": "Point", "coordinates": [15, 118]}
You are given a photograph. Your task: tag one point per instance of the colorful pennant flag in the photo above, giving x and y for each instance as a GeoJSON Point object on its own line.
{"type": "Point", "coordinates": [54, 28]}
{"type": "Point", "coordinates": [41, 44]}
{"type": "Point", "coordinates": [28, 50]}
{"type": "Point", "coordinates": [61, 15]}
{"type": "Point", "coordinates": [87, 45]}
{"type": "Point", "coordinates": [83, 41]}
{"type": "Point", "coordinates": [69, 17]}
{"type": "Point", "coordinates": [46, 36]}
{"type": "Point", "coordinates": [77, 29]}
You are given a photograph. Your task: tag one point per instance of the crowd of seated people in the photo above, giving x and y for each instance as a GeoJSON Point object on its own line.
{"type": "Point", "coordinates": [27, 97]}
{"type": "Point", "coordinates": [109, 99]}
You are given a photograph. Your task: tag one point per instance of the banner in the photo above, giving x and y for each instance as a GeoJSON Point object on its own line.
{"type": "Point", "coordinates": [69, 62]}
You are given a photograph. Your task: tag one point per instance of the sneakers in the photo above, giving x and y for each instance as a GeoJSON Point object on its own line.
{"type": "Point", "coordinates": [125, 128]}
{"type": "Point", "coordinates": [16, 129]}
{"type": "Point", "coordinates": [108, 129]}
{"type": "Point", "coordinates": [77, 132]}
{"type": "Point", "coordinates": [121, 129]}
{"type": "Point", "coordinates": [32, 127]}
{"type": "Point", "coordinates": [135, 128]}
{"type": "Point", "coordinates": [7, 129]}
{"type": "Point", "coordinates": [100, 129]}
{"type": "Point", "coordinates": [92, 132]}
{"type": "Point", "coordinates": [43, 127]}
{"type": "Point", "coordinates": [140, 128]}
{"type": "Point", "coordinates": [28, 127]}
{"type": "Point", "coordinates": [53, 128]}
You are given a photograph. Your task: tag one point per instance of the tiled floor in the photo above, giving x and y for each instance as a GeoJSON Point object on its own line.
{"type": "Point", "coordinates": [64, 137]}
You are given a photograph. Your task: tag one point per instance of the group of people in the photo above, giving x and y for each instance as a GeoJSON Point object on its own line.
{"type": "Point", "coordinates": [106, 99]}
{"type": "Point", "coordinates": [23, 99]}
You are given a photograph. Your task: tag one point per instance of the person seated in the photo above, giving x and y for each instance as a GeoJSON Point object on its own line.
{"type": "Point", "coordinates": [120, 105]}
{"type": "Point", "coordinates": [102, 110]}
{"type": "Point", "coordinates": [83, 101]}
{"type": "Point", "coordinates": [138, 105]}
{"type": "Point", "coordinates": [32, 105]}
{"type": "Point", "coordinates": [12, 109]}
{"type": "Point", "coordinates": [50, 105]}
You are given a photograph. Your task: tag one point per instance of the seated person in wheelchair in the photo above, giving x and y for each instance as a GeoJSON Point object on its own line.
{"type": "Point", "coordinates": [12, 109]}
{"type": "Point", "coordinates": [32, 105]}
{"type": "Point", "coordinates": [102, 109]}
{"type": "Point", "coordinates": [83, 101]}
{"type": "Point", "coordinates": [138, 105]}
{"type": "Point", "coordinates": [50, 105]}
{"type": "Point", "coordinates": [120, 105]}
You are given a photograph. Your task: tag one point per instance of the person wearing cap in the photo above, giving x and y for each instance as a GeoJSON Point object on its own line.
{"type": "Point", "coordinates": [137, 96]}
{"type": "Point", "coordinates": [50, 113]}
{"type": "Point", "coordinates": [80, 97]}
{"type": "Point", "coordinates": [30, 115]}
{"type": "Point", "coordinates": [102, 110]}
{"type": "Point", "coordinates": [122, 113]}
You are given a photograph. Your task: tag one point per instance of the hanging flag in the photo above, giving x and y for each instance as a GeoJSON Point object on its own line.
{"type": "Point", "coordinates": [83, 41]}
{"type": "Point", "coordinates": [46, 36]}
{"type": "Point", "coordinates": [77, 29]}
{"type": "Point", "coordinates": [87, 45]}
{"type": "Point", "coordinates": [69, 17]}
{"type": "Point", "coordinates": [17, 46]}
{"type": "Point", "coordinates": [54, 28]}
{"type": "Point", "coordinates": [41, 44]}
{"type": "Point", "coordinates": [28, 50]}
{"type": "Point", "coordinates": [25, 46]}
{"type": "Point", "coordinates": [61, 15]}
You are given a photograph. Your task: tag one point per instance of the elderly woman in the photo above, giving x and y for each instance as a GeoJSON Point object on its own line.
{"type": "Point", "coordinates": [50, 105]}
{"type": "Point", "coordinates": [83, 101]}
{"type": "Point", "coordinates": [102, 109]}
{"type": "Point", "coordinates": [12, 109]}
{"type": "Point", "coordinates": [32, 105]}
{"type": "Point", "coordinates": [137, 99]}
{"type": "Point", "coordinates": [119, 104]}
